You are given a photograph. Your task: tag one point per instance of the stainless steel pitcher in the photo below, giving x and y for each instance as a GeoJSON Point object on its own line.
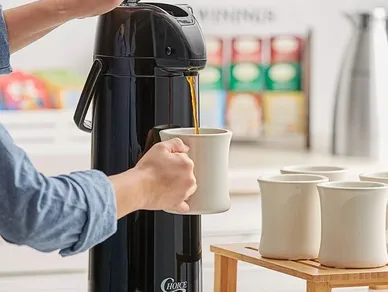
{"type": "Point", "coordinates": [361, 107]}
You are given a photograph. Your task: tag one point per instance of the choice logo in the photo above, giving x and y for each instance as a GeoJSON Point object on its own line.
{"type": "Point", "coordinates": [170, 285]}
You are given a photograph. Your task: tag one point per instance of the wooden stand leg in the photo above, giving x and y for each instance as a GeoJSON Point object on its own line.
{"type": "Point", "coordinates": [225, 274]}
{"type": "Point", "coordinates": [318, 287]}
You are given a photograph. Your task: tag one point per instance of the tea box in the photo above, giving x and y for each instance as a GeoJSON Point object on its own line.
{"type": "Point", "coordinates": [247, 76]}
{"type": "Point", "coordinates": [283, 76]}
{"type": "Point", "coordinates": [23, 91]}
{"type": "Point", "coordinates": [211, 77]}
{"type": "Point", "coordinates": [212, 108]}
{"type": "Point", "coordinates": [284, 113]}
{"type": "Point", "coordinates": [246, 49]}
{"type": "Point", "coordinates": [214, 50]}
{"type": "Point", "coordinates": [64, 86]}
{"type": "Point", "coordinates": [244, 114]}
{"type": "Point", "coordinates": [286, 49]}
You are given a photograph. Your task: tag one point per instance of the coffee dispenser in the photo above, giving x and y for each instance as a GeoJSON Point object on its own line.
{"type": "Point", "coordinates": [138, 84]}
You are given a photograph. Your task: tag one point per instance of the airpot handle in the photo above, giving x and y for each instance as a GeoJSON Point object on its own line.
{"type": "Point", "coordinates": [87, 96]}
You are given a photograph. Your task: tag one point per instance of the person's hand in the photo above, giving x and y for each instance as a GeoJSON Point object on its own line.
{"type": "Point", "coordinates": [169, 177]}
{"type": "Point", "coordinates": [86, 8]}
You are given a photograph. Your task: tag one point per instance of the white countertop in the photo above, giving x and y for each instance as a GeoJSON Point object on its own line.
{"type": "Point", "coordinates": [247, 162]}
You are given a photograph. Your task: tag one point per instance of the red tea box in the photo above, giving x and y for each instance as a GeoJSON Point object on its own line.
{"type": "Point", "coordinates": [247, 49]}
{"type": "Point", "coordinates": [23, 91]}
{"type": "Point", "coordinates": [214, 49]}
{"type": "Point", "coordinates": [286, 48]}
{"type": "Point", "coordinates": [244, 114]}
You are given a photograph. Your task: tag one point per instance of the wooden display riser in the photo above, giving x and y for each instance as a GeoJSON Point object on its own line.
{"type": "Point", "coordinates": [319, 278]}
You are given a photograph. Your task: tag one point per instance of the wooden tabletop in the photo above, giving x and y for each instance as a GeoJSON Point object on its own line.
{"type": "Point", "coordinates": [310, 270]}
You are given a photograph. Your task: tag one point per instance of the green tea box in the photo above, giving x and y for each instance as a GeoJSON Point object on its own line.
{"type": "Point", "coordinates": [283, 76]}
{"type": "Point", "coordinates": [247, 76]}
{"type": "Point", "coordinates": [210, 78]}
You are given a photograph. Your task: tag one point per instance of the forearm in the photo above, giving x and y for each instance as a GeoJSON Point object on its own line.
{"type": "Point", "coordinates": [19, 44]}
{"type": "Point", "coordinates": [30, 22]}
{"type": "Point", "coordinates": [129, 192]}
{"type": "Point", "coordinates": [70, 213]}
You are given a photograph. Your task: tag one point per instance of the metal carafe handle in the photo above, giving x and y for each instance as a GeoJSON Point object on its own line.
{"type": "Point", "coordinates": [87, 97]}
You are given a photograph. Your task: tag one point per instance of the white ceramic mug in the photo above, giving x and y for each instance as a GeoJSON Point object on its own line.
{"type": "Point", "coordinates": [333, 173]}
{"type": "Point", "coordinates": [381, 176]}
{"type": "Point", "coordinates": [353, 224]}
{"type": "Point", "coordinates": [291, 217]}
{"type": "Point", "coordinates": [209, 151]}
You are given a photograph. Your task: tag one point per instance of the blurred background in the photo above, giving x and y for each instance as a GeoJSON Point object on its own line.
{"type": "Point", "coordinates": [273, 68]}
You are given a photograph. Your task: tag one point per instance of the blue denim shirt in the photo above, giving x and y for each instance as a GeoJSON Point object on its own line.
{"type": "Point", "coordinates": [70, 213]}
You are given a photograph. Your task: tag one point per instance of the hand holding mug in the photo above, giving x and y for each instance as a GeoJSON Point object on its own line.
{"type": "Point", "coordinates": [169, 176]}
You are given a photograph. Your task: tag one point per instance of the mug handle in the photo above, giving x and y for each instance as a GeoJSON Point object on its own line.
{"type": "Point", "coordinates": [153, 137]}
{"type": "Point", "coordinates": [87, 96]}
{"type": "Point", "coordinates": [157, 129]}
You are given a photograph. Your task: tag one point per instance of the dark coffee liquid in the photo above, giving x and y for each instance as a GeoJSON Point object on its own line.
{"type": "Point", "coordinates": [191, 81]}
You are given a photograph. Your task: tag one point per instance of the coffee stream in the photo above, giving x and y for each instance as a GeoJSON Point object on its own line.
{"type": "Point", "coordinates": [191, 81]}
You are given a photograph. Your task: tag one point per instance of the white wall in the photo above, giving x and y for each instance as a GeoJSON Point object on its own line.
{"type": "Point", "coordinates": [71, 45]}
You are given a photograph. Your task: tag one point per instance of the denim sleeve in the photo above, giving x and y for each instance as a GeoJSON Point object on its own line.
{"type": "Point", "coordinates": [5, 67]}
{"type": "Point", "coordinates": [70, 213]}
